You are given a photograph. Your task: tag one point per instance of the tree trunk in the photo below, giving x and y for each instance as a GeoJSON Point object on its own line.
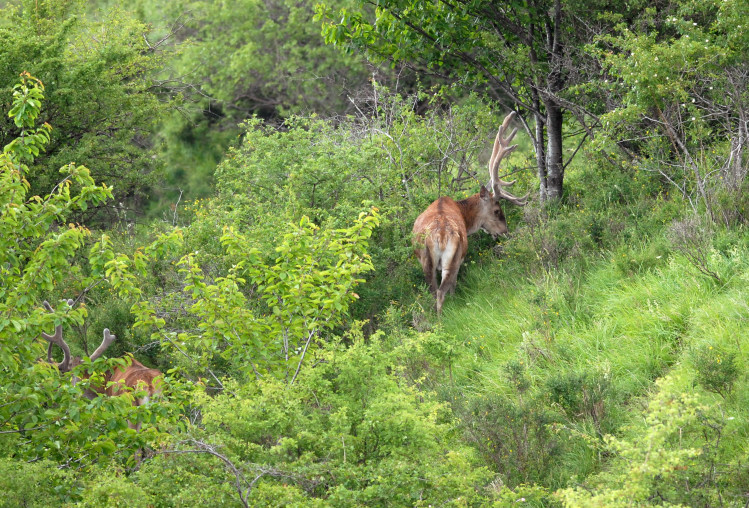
{"type": "Point", "coordinates": [554, 116]}
{"type": "Point", "coordinates": [554, 160]}
{"type": "Point", "coordinates": [539, 143]}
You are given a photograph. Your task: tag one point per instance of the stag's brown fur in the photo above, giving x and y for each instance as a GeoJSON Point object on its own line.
{"type": "Point", "coordinates": [440, 233]}
{"type": "Point", "coordinates": [440, 236]}
{"type": "Point", "coordinates": [135, 376]}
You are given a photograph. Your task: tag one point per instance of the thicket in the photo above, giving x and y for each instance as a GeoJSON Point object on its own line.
{"type": "Point", "coordinates": [101, 100]}
{"type": "Point", "coordinates": [597, 356]}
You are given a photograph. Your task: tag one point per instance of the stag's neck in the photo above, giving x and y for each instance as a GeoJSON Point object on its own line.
{"type": "Point", "coordinates": [469, 209]}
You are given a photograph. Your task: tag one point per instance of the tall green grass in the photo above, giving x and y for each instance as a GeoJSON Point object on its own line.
{"type": "Point", "coordinates": [581, 349]}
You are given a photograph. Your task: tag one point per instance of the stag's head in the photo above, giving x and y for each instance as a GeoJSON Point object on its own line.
{"type": "Point", "coordinates": [491, 217]}
{"type": "Point", "coordinates": [69, 361]}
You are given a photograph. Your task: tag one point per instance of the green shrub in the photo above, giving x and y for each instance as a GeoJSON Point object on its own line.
{"type": "Point", "coordinates": [195, 479]}
{"type": "Point", "coordinates": [350, 432]}
{"type": "Point", "coordinates": [104, 124]}
{"type": "Point", "coordinates": [582, 395]}
{"type": "Point", "coordinates": [669, 457]}
{"type": "Point", "coordinates": [731, 205]}
{"type": "Point", "coordinates": [716, 369]}
{"type": "Point", "coordinates": [529, 495]}
{"type": "Point", "coordinates": [112, 490]}
{"type": "Point", "coordinates": [512, 435]}
{"type": "Point", "coordinates": [36, 484]}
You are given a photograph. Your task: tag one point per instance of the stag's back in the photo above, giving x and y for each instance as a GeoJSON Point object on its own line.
{"type": "Point", "coordinates": [136, 376]}
{"type": "Point", "coordinates": [439, 233]}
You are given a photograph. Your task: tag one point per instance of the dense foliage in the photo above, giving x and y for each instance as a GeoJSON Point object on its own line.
{"type": "Point", "coordinates": [597, 356]}
{"type": "Point", "coordinates": [100, 101]}
{"type": "Point", "coordinates": [527, 55]}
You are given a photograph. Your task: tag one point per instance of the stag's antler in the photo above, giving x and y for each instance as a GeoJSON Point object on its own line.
{"type": "Point", "coordinates": [501, 149]}
{"type": "Point", "coordinates": [56, 339]}
{"type": "Point", "coordinates": [105, 343]}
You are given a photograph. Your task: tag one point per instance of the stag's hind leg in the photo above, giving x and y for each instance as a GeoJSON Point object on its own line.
{"type": "Point", "coordinates": [430, 273]}
{"type": "Point", "coordinates": [447, 286]}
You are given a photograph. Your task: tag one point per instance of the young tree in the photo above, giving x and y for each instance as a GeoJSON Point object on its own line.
{"type": "Point", "coordinates": [300, 297]}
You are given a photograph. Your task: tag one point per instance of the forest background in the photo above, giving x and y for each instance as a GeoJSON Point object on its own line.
{"type": "Point", "coordinates": [230, 188]}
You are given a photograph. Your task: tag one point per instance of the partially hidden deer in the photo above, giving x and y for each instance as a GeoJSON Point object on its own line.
{"type": "Point", "coordinates": [440, 233]}
{"type": "Point", "coordinates": [135, 376]}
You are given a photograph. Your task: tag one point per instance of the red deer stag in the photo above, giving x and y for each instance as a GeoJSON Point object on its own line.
{"type": "Point", "coordinates": [136, 375]}
{"type": "Point", "coordinates": [440, 233]}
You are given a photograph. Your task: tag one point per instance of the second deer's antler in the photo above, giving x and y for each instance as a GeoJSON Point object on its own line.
{"type": "Point", "coordinates": [68, 362]}
{"type": "Point", "coordinates": [105, 343]}
{"type": "Point", "coordinates": [56, 339]}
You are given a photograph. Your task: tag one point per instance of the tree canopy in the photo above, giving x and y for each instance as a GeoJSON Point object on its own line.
{"type": "Point", "coordinates": [528, 55]}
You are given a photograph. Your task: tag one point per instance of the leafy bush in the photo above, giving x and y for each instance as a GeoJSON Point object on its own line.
{"type": "Point", "coordinates": [36, 485]}
{"type": "Point", "coordinates": [514, 436]}
{"type": "Point", "coordinates": [582, 395]}
{"type": "Point", "coordinates": [716, 369]}
{"type": "Point", "coordinates": [526, 495]}
{"type": "Point", "coordinates": [112, 489]}
{"type": "Point", "coordinates": [185, 480]}
{"type": "Point", "coordinates": [677, 100]}
{"type": "Point", "coordinates": [300, 294]}
{"type": "Point", "coordinates": [670, 459]}
{"type": "Point", "coordinates": [295, 73]}
{"type": "Point", "coordinates": [105, 124]}
{"type": "Point", "coordinates": [333, 437]}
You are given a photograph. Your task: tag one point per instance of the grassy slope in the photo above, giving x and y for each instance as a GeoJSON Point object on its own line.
{"type": "Point", "coordinates": [620, 328]}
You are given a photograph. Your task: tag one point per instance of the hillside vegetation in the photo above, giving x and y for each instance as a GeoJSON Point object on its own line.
{"type": "Point", "coordinates": [230, 189]}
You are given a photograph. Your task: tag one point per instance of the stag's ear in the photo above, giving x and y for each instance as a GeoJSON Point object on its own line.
{"type": "Point", "coordinates": [484, 194]}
